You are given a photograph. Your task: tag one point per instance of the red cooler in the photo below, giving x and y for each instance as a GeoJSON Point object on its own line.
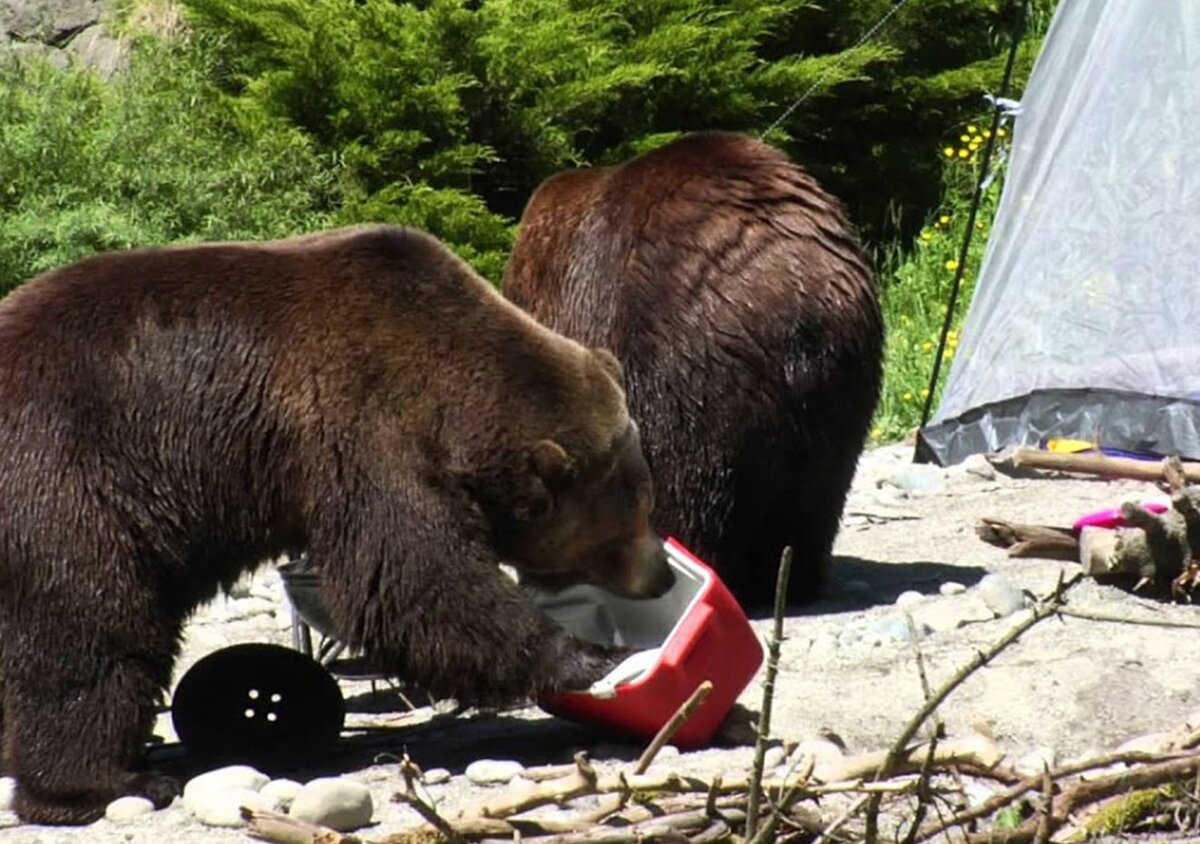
{"type": "Point", "coordinates": [695, 632]}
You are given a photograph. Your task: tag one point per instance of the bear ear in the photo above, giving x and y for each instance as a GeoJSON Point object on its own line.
{"type": "Point", "coordinates": [608, 361]}
{"type": "Point", "coordinates": [550, 462]}
{"type": "Point", "coordinates": [549, 466]}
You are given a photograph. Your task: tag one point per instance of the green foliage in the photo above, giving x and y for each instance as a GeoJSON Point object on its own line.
{"type": "Point", "coordinates": [154, 156]}
{"type": "Point", "coordinates": [917, 282]}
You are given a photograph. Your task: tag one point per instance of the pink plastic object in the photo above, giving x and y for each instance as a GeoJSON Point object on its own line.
{"type": "Point", "coordinates": [1112, 518]}
{"type": "Point", "coordinates": [709, 638]}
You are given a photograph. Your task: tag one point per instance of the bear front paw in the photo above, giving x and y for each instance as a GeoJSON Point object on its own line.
{"type": "Point", "coordinates": [159, 789]}
{"type": "Point", "coordinates": [579, 664]}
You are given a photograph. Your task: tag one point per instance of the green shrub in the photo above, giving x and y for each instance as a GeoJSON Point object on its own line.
{"type": "Point", "coordinates": [153, 156]}
{"type": "Point", "coordinates": [917, 282]}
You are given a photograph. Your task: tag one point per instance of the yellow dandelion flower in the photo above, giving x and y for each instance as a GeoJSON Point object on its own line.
{"type": "Point", "coordinates": [924, 392]}
{"type": "Point", "coordinates": [926, 235]}
{"type": "Point", "coordinates": [979, 226]}
{"type": "Point", "coordinates": [927, 346]}
{"type": "Point", "coordinates": [964, 138]}
{"type": "Point", "coordinates": [1000, 133]}
{"type": "Point", "coordinates": [952, 265]}
{"type": "Point", "coordinates": [972, 129]}
{"type": "Point", "coordinates": [987, 133]}
{"type": "Point", "coordinates": [876, 432]}
{"type": "Point", "coordinates": [944, 219]}
{"type": "Point", "coordinates": [948, 354]}
{"type": "Point", "coordinates": [963, 153]}
{"type": "Point", "coordinates": [948, 152]}
{"type": "Point", "coordinates": [952, 336]}
{"type": "Point", "coordinates": [907, 397]}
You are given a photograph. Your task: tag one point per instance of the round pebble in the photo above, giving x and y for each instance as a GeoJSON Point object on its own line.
{"type": "Point", "coordinates": [128, 808]}
{"type": "Point", "coordinates": [8, 790]}
{"type": "Point", "coordinates": [223, 806]}
{"type": "Point", "coordinates": [437, 776]}
{"type": "Point", "coordinates": [336, 802]}
{"type": "Point", "coordinates": [774, 757]}
{"type": "Point", "coordinates": [282, 791]}
{"type": "Point", "coordinates": [1000, 595]}
{"type": "Point", "coordinates": [221, 779]}
{"type": "Point", "coordinates": [951, 588]}
{"type": "Point", "coordinates": [495, 771]}
{"type": "Point", "coordinates": [909, 599]}
{"type": "Point", "coordinates": [823, 752]}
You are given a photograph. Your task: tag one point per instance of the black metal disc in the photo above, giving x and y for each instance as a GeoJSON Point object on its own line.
{"type": "Point", "coordinates": [257, 703]}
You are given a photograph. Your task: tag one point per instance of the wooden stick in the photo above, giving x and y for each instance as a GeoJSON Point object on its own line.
{"type": "Point", "coordinates": [1091, 791]}
{"type": "Point", "coordinates": [1102, 465]}
{"type": "Point", "coordinates": [1015, 792]}
{"type": "Point", "coordinates": [280, 829]}
{"type": "Point", "coordinates": [669, 729]}
{"type": "Point", "coordinates": [764, 718]}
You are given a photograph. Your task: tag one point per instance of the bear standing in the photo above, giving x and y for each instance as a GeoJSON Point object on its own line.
{"type": "Point", "coordinates": [733, 291]}
{"type": "Point", "coordinates": [172, 417]}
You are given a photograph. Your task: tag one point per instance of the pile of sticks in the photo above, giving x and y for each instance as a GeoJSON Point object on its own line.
{"type": "Point", "coordinates": [899, 787]}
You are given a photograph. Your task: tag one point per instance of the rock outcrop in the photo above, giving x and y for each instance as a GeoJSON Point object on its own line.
{"type": "Point", "coordinates": [62, 31]}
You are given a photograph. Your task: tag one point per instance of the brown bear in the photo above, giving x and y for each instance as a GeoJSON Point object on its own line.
{"type": "Point", "coordinates": [174, 416]}
{"type": "Point", "coordinates": [733, 291]}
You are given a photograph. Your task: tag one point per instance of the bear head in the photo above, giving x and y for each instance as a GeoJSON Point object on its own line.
{"type": "Point", "coordinates": [574, 506]}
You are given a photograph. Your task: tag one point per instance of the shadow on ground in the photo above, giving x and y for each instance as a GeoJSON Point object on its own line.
{"type": "Point", "coordinates": [450, 742]}
{"type": "Point", "coordinates": [859, 584]}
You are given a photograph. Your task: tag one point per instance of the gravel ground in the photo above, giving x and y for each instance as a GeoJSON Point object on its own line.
{"type": "Point", "coordinates": [848, 664]}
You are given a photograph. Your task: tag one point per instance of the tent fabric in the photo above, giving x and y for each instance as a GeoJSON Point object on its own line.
{"type": "Point", "coordinates": [1085, 322]}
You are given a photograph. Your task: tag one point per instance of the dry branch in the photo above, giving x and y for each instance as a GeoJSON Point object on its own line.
{"type": "Point", "coordinates": [669, 729]}
{"type": "Point", "coordinates": [764, 719]}
{"type": "Point", "coordinates": [1103, 466]}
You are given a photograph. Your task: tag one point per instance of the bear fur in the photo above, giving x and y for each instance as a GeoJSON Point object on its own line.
{"type": "Point", "coordinates": [173, 416]}
{"type": "Point", "coordinates": [733, 291]}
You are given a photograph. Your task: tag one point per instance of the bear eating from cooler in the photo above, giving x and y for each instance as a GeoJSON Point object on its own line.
{"type": "Point", "coordinates": [173, 416]}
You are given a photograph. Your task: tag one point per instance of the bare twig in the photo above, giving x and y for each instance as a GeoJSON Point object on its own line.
{"type": "Point", "coordinates": [1046, 810]}
{"type": "Point", "coordinates": [431, 816]}
{"type": "Point", "coordinates": [1040, 613]}
{"type": "Point", "coordinates": [842, 820]}
{"type": "Point", "coordinates": [1092, 615]}
{"type": "Point", "coordinates": [1015, 792]}
{"type": "Point", "coordinates": [669, 729]}
{"type": "Point", "coordinates": [1090, 791]}
{"type": "Point", "coordinates": [764, 719]}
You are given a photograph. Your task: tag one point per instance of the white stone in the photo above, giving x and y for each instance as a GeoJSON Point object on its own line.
{"type": "Point", "coordinates": [336, 802]}
{"type": "Point", "coordinates": [1035, 762]}
{"type": "Point", "coordinates": [282, 791]}
{"type": "Point", "coordinates": [436, 776]}
{"type": "Point", "coordinates": [8, 790]}
{"type": "Point", "coordinates": [909, 599]}
{"type": "Point", "coordinates": [127, 808]}
{"type": "Point", "coordinates": [668, 751]}
{"type": "Point", "coordinates": [979, 466]}
{"type": "Point", "coordinates": [940, 616]}
{"type": "Point", "coordinates": [950, 587]}
{"type": "Point", "coordinates": [918, 479]}
{"type": "Point", "coordinates": [492, 771]}
{"type": "Point", "coordinates": [214, 806]}
{"type": "Point", "coordinates": [220, 779]}
{"type": "Point", "coordinates": [774, 757]}
{"type": "Point", "coordinates": [823, 753]}
{"type": "Point", "coordinates": [1001, 596]}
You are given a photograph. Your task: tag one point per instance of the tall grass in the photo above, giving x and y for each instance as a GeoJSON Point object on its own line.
{"type": "Point", "coordinates": [917, 279]}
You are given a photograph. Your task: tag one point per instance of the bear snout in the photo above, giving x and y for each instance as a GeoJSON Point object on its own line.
{"type": "Point", "coordinates": [650, 575]}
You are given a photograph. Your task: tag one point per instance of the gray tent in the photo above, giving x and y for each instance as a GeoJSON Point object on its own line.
{"type": "Point", "coordinates": [1086, 317]}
